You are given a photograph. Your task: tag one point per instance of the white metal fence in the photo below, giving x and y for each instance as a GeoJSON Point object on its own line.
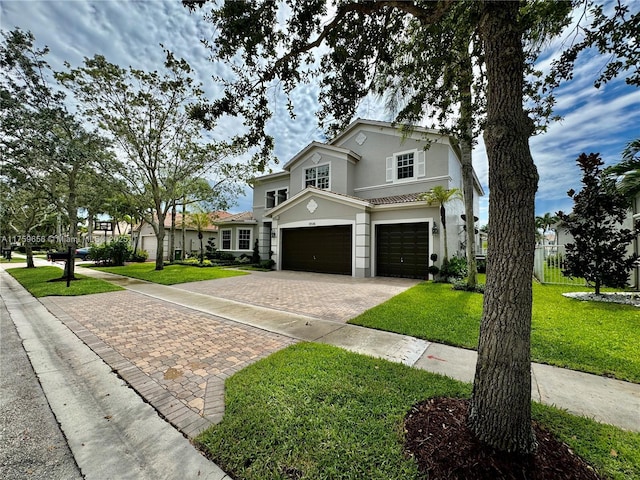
{"type": "Point", "coordinates": [548, 266]}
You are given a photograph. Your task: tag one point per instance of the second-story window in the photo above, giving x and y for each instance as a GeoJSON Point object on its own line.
{"type": "Point", "coordinates": [276, 197]}
{"type": "Point", "coordinates": [404, 165]}
{"type": "Point", "coordinates": [317, 177]}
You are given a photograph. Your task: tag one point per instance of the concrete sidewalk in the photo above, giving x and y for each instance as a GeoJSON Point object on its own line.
{"type": "Point", "coordinates": [603, 399]}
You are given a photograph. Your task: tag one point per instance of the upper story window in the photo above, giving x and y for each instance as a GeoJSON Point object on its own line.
{"type": "Point", "coordinates": [276, 197]}
{"type": "Point", "coordinates": [405, 166]}
{"type": "Point", "coordinates": [317, 177]}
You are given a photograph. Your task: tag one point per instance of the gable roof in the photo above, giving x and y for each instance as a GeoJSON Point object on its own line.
{"type": "Point", "coordinates": [339, 197]}
{"type": "Point", "coordinates": [343, 152]}
{"type": "Point", "coordinates": [393, 127]}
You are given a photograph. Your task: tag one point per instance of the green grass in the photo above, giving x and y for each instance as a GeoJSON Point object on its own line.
{"type": "Point", "coordinates": [171, 274]}
{"type": "Point", "coordinates": [13, 260]}
{"type": "Point", "coordinates": [38, 282]}
{"type": "Point", "coordinates": [314, 411]}
{"type": "Point", "coordinates": [594, 337]}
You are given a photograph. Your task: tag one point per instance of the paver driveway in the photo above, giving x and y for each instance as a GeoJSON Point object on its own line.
{"type": "Point", "coordinates": [331, 297]}
{"type": "Point", "coordinates": [177, 358]}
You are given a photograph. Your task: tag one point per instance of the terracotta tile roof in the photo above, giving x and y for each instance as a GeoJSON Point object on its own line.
{"type": "Point", "coordinates": [408, 198]}
{"type": "Point", "coordinates": [243, 217]}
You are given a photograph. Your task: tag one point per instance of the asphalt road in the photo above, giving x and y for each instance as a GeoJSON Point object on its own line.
{"type": "Point", "coordinates": [32, 445]}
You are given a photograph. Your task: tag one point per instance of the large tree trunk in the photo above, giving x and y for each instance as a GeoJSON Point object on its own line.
{"type": "Point", "coordinates": [466, 114]}
{"type": "Point", "coordinates": [500, 413]}
{"type": "Point", "coordinates": [28, 249]}
{"type": "Point", "coordinates": [160, 232]}
{"type": "Point", "coordinates": [172, 234]}
{"type": "Point", "coordinates": [72, 213]}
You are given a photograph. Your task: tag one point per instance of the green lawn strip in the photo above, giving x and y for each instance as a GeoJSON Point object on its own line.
{"type": "Point", "coordinates": [38, 282]}
{"type": "Point", "coordinates": [13, 260]}
{"type": "Point", "coordinates": [314, 411]}
{"type": "Point", "coordinates": [614, 452]}
{"type": "Point", "coordinates": [320, 411]}
{"type": "Point", "coordinates": [171, 274]}
{"type": "Point", "coordinates": [594, 337]}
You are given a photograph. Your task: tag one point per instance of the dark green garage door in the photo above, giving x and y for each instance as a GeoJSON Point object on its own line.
{"type": "Point", "coordinates": [402, 250]}
{"type": "Point", "coordinates": [317, 249]}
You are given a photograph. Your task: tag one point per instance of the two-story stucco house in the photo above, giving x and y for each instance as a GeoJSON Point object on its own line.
{"type": "Point", "coordinates": [351, 206]}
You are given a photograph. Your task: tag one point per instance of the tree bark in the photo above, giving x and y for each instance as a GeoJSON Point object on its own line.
{"type": "Point", "coordinates": [160, 232]}
{"type": "Point", "coordinates": [172, 234]}
{"type": "Point", "coordinates": [466, 114]}
{"type": "Point", "coordinates": [500, 413]}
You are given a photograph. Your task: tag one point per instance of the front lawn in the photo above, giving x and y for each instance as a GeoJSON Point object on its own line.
{"type": "Point", "coordinates": [315, 411]}
{"type": "Point", "coordinates": [171, 274]}
{"type": "Point", "coordinates": [594, 337]}
{"type": "Point", "coordinates": [38, 281]}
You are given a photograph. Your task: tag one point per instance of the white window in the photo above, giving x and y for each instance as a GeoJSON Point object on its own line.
{"type": "Point", "coordinates": [276, 197]}
{"type": "Point", "coordinates": [244, 239]}
{"type": "Point", "coordinates": [226, 240]}
{"type": "Point", "coordinates": [406, 166]}
{"type": "Point", "coordinates": [317, 177]}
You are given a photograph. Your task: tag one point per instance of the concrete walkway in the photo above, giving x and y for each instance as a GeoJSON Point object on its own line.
{"type": "Point", "coordinates": [103, 419]}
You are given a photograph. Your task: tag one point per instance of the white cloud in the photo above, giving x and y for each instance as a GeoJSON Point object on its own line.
{"type": "Point", "coordinates": [130, 33]}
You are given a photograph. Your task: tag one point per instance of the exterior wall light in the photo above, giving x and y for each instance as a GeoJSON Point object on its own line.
{"type": "Point", "coordinates": [434, 229]}
{"type": "Point", "coordinates": [273, 234]}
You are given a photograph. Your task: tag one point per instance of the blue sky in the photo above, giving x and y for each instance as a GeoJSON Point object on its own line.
{"type": "Point", "coordinates": [130, 33]}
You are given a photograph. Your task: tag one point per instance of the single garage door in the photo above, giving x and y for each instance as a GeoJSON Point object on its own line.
{"type": "Point", "coordinates": [402, 250]}
{"type": "Point", "coordinates": [317, 249]}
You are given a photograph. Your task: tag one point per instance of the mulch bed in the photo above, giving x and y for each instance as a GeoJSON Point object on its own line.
{"type": "Point", "coordinates": [444, 448]}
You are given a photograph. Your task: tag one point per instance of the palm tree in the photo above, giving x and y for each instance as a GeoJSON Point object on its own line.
{"type": "Point", "coordinates": [628, 170]}
{"type": "Point", "coordinates": [440, 196]}
{"type": "Point", "coordinates": [545, 223]}
{"type": "Point", "coordinates": [199, 220]}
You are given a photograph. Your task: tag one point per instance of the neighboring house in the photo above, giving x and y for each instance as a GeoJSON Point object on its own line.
{"type": "Point", "coordinates": [351, 206]}
{"type": "Point", "coordinates": [237, 234]}
{"type": "Point", "coordinates": [148, 241]}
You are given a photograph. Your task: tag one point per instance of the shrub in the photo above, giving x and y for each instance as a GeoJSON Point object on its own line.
{"type": "Point", "coordinates": [140, 256]}
{"type": "Point", "coordinates": [226, 257]}
{"type": "Point", "coordinates": [114, 253]}
{"type": "Point", "coordinates": [464, 286]}
{"type": "Point", "coordinates": [243, 259]}
{"type": "Point", "coordinates": [456, 267]}
{"type": "Point", "coordinates": [255, 256]}
{"type": "Point", "coordinates": [433, 270]}
{"type": "Point", "coordinates": [267, 264]}
{"type": "Point", "coordinates": [120, 250]}
{"type": "Point", "coordinates": [211, 253]}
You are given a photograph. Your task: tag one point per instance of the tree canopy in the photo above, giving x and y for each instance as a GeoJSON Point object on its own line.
{"type": "Point", "coordinates": [364, 47]}
{"type": "Point", "coordinates": [146, 114]}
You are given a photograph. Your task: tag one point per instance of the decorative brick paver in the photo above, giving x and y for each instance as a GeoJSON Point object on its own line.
{"type": "Point", "coordinates": [330, 297]}
{"type": "Point", "coordinates": [161, 348]}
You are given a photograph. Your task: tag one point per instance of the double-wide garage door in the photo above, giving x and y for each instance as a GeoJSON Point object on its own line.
{"type": "Point", "coordinates": [402, 250]}
{"type": "Point", "coordinates": [317, 249]}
